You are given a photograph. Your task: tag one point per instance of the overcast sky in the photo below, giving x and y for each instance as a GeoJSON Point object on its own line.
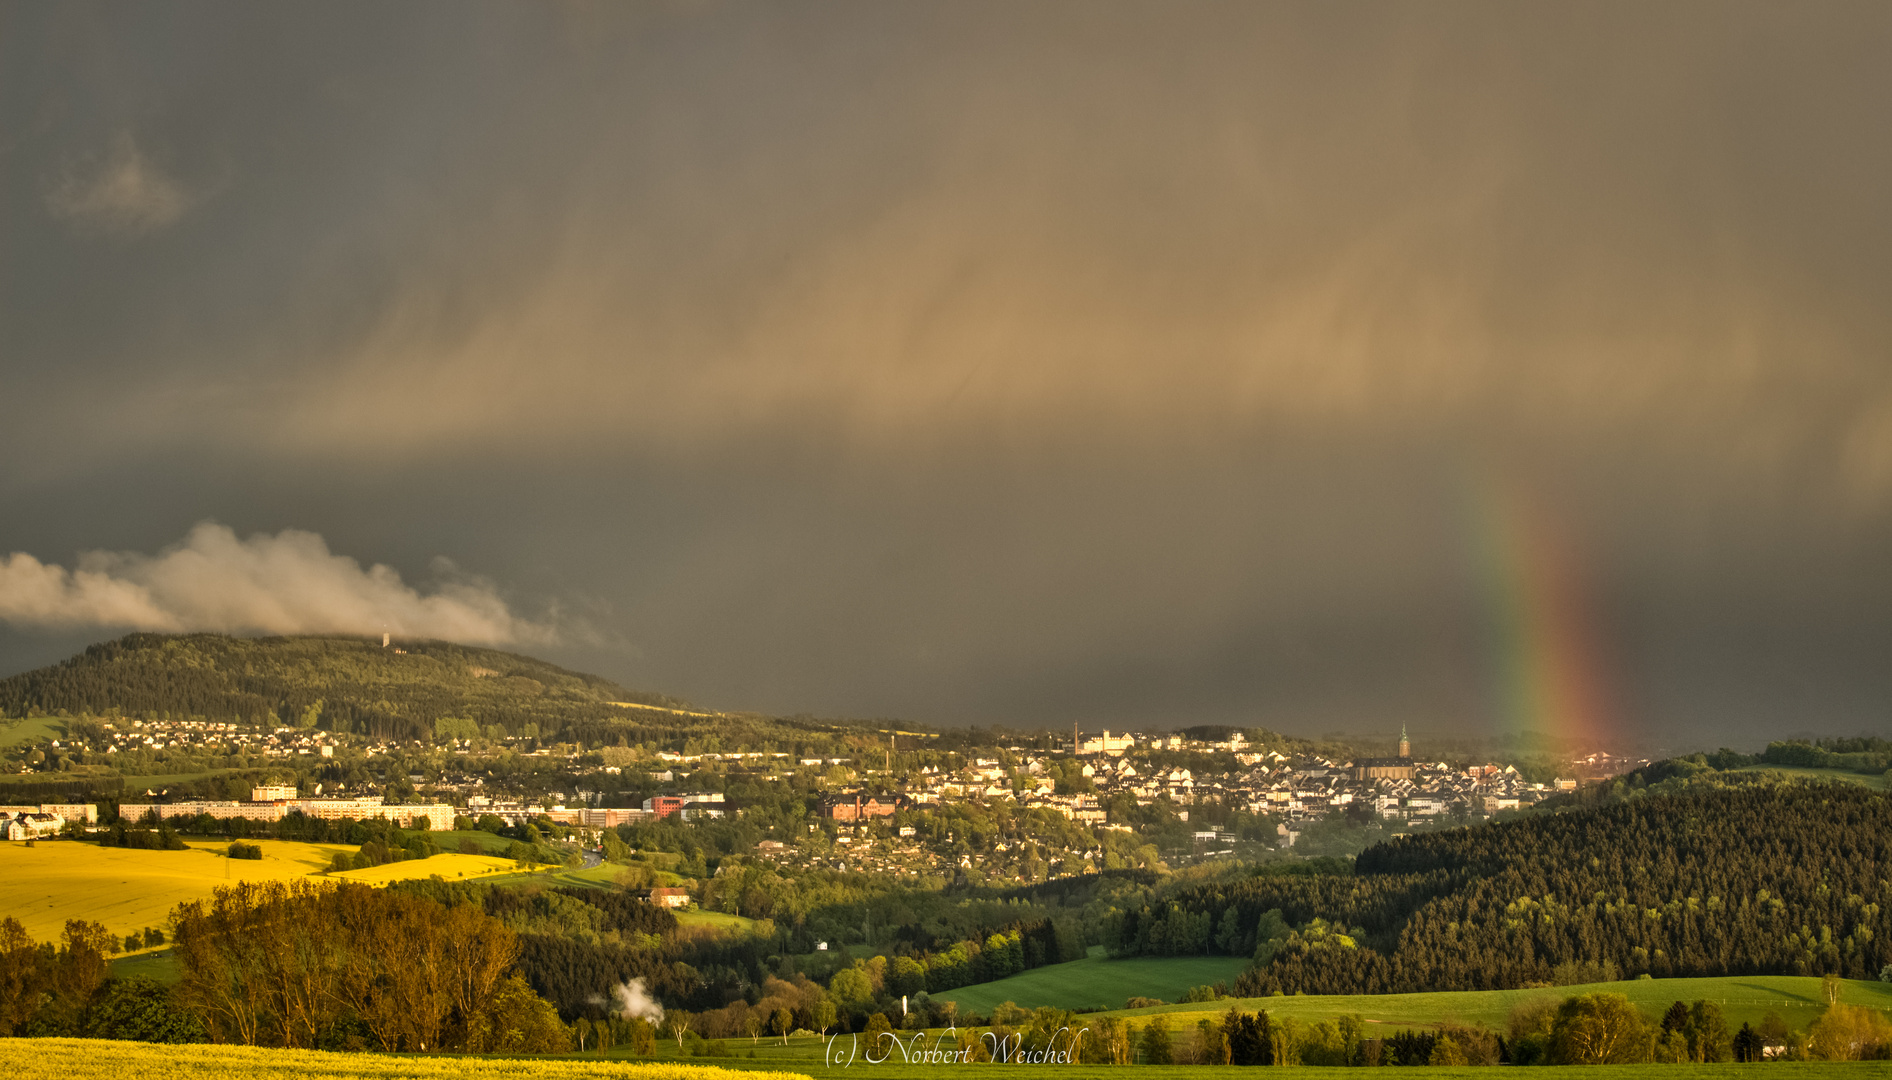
{"type": "Point", "coordinates": [1024, 363]}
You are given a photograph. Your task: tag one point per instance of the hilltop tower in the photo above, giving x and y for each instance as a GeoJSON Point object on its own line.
{"type": "Point", "coordinates": [1405, 744]}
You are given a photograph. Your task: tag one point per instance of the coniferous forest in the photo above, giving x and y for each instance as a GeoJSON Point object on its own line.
{"type": "Point", "coordinates": [335, 683]}
{"type": "Point", "coordinates": [1764, 879]}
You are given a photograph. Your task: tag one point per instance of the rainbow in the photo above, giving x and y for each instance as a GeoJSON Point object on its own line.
{"type": "Point", "coordinates": [1545, 676]}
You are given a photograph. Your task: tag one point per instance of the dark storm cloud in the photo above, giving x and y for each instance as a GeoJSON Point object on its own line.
{"type": "Point", "coordinates": [987, 362]}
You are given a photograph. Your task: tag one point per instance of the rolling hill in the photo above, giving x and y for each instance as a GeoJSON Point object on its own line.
{"type": "Point", "coordinates": [349, 684]}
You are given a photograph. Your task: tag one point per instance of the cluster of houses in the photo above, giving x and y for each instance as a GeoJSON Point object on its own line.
{"type": "Point", "coordinates": [46, 819]}
{"type": "Point", "coordinates": [1295, 791]}
{"type": "Point", "coordinates": [127, 734]}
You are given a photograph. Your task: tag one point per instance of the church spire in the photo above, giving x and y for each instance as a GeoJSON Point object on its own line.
{"type": "Point", "coordinates": [1405, 745]}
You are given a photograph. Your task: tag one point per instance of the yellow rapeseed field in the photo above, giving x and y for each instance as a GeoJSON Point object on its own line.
{"type": "Point", "coordinates": [129, 889]}
{"type": "Point", "coordinates": [452, 867]}
{"type": "Point", "coordinates": [104, 1059]}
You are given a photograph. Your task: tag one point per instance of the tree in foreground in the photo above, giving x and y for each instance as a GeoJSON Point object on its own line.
{"type": "Point", "coordinates": [1154, 1043]}
{"type": "Point", "coordinates": [141, 1009]}
{"type": "Point", "coordinates": [1598, 1029]}
{"type": "Point", "coordinates": [1747, 1044]}
{"type": "Point", "coordinates": [1850, 1033]}
{"type": "Point", "coordinates": [303, 963]}
{"type": "Point", "coordinates": [45, 990]}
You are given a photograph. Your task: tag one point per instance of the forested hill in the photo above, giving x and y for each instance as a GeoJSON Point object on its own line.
{"type": "Point", "coordinates": [336, 683]}
{"type": "Point", "coordinates": [1785, 878]}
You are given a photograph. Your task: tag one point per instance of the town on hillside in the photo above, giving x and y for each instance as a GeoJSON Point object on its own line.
{"type": "Point", "coordinates": [866, 810]}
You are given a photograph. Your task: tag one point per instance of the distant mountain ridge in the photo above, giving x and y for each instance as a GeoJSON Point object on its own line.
{"type": "Point", "coordinates": [338, 683]}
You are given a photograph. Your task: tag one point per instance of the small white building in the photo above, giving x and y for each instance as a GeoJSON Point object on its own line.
{"type": "Point", "coordinates": [32, 826]}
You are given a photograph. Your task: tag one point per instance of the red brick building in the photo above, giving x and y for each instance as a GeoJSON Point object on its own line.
{"type": "Point", "coordinates": [858, 807]}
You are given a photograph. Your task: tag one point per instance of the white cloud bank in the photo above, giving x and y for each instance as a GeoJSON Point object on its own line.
{"type": "Point", "coordinates": [289, 583]}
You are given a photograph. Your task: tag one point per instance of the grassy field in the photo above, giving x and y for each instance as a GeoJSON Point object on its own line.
{"type": "Point", "coordinates": [892, 1070]}
{"type": "Point", "coordinates": [808, 1054]}
{"type": "Point", "coordinates": [129, 889]}
{"type": "Point", "coordinates": [489, 843]}
{"type": "Point", "coordinates": [32, 730]}
{"type": "Point", "coordinates": [159, 964]}
{"type": "Point", "coordinates": [715, 920]}
{"type": "Point", "coordinates": [598, 877]}
{"type": "Point", "coordinates": [1096, 980]}
{"type": "Point", "coordinates": [1743, 999]}
{"type": "Point", "coordinates": [87, 1059]}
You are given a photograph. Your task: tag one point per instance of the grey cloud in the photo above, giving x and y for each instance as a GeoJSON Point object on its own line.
{"type": "Point", "coordinates": [120, 191]}
{"type": "Point", "coordinates": [1526, 229]}
{"type": "Point", "coordinates": [989, 360]}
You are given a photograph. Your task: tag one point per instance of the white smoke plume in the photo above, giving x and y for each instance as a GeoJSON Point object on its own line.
{"type": "Point", "coordinates": [289, 583]}
{"type": "Point", "coordinates": [634, 1001]}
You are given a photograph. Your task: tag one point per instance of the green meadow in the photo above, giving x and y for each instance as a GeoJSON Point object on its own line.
{"type": "Point", "coordinates": [1743, 999]}
{"type": "Point", "coordinates": [715, 920]}
{"type": "Point", "coordinates": [35, 729]}
{"type": "Point", "coordinates": [1097, 981]}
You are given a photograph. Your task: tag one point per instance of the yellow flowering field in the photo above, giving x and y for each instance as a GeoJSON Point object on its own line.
{"type": "Point", "coordinates": [129, 889]}
{"type": "Point", "coordinates": [105, 1059]}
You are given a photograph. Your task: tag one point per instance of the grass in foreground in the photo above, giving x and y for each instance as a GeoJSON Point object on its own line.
{"type": "Point", "coordinates": [91, 1059]}
{"type": "Point", "coordinates": [104, 1059]}
{"type": "Point", "coordinates": [1095, 981]}
{"type": "Point", "coordinates": [806, 1055]}
{"type": "Point", "coordinates": [1743, 999]}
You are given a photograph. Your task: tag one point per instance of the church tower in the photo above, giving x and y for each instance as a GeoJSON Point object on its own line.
{"type": "Point", "coordinates": [1405, 745]}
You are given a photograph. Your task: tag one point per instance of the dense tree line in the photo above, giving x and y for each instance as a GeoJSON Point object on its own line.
{"type": "Point", "coordinates": [162, 838]}
{"type": "Point", "coordinates": [1760, 879]}
{"type": "Point", "coordinates": [575, 945]}
{"type": "Point", "coordinates": [1001, 954]}
{"type": "Point", "coordinates": [62, 989]}
{"type": "Point", "coordinates": [45, 989]}
{"type": "Point", "coordinates": [310, 964]}
{"type": "Point", "coordinates": [55, 788]}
